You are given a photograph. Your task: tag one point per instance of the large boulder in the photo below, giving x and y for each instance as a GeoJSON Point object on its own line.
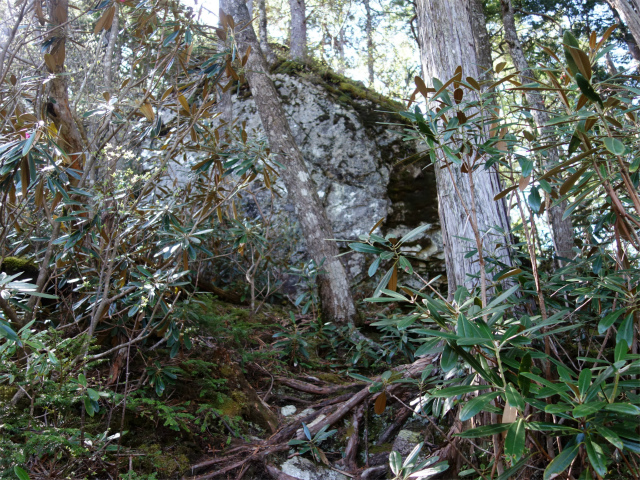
{"type": "Point", "coordinates": [364, 168]}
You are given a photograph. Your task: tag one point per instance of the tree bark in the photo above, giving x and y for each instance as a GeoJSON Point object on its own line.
{"type": "Point", "coordinates": [562, 229]}
{"type": "Point", "coordinates": [337, 302]}
{"type": "Point", "coordinates": [59, 110]}
{"type": "Point", "coordinates": [298, 45]}
{"type": "Point", "coordinates": [108, 57]}
{"type": "Point", "coordinates": [630, 15]}
{"type": "Point", "coordinates": [369, 33]}
{"type": "Point", "coordinates": [481, 39]}
{"type": "Point", "coordinates": [262, 27]}
{"type": "Point", "coordinates": [632, 45]}
{"type": "Point", "coordinates": [447, 41]}
{"type": "Point", "coordinates": [339, 44]}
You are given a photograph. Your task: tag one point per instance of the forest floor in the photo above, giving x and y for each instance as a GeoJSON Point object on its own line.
{"type": "Point", "coordinates": [232, 403]}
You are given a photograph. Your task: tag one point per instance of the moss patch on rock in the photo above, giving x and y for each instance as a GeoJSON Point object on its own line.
{"type": "Point", "coordinates": [371, 105]}
{"type": "Point", "coordinates": [13, 265]}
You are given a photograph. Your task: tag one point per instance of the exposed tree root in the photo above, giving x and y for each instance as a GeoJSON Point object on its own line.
{"type": "Point", "coordinates": [278, 474]}
{"type": "Point", "coordinates": [373, 473]}
{"type": "Point", "coordinates": [401, 418]}
{"type": "Point", "coordinates": [309, 388]}
{"type": "Point", "coordinates": [351, 451]}
{"type": "Point", "coordinates": [330, 411]}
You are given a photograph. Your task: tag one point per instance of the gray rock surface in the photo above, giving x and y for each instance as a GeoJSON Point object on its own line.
{"type": "Point", "coordinates": [364, 169]}
{"type": "Point", "coordinates": [353, 158]}
{"type": "Point", "coordinates": [405, 442]}
{"type": "Point", "coordinates": [300, 467]}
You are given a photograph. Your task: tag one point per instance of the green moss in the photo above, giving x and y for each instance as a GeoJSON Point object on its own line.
{"type": "Point", "coordinates": [166, 463]}
{"type": "Point", "coordinates": [229, 406]}
{"type": "Point", "coordinates": [13, 265]}
{"type": "Point", "coordinates": [385, 447]}
{"type": "Point", "coordinates": [346, 91]}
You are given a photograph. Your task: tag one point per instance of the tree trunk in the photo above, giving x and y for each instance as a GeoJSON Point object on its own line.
{"type": "Point", "coordinates": [629, 15]}
{"type": "Point", "coordinates": [59, 110]}
{"type": "Point", "coordinates": [369, 33]}
{"type": "Point", "coordinates": [562, 229]}
{"type": "Point", "coordinates": [632, 45]}
{"type": "Point", "coordinates": [481, 38]}
{"type": "Point", "coordinates": [335, 295]}
{"type": "Point", "coordinates": [339, 43]}
{"type": "Point", "coordinates": [224, 96]}
{"type": "Point", "coordinates": [447, 41]}
{"type": "Point", "coordinates": [108, 57]}
{"type": "Point", "coordinates": [611, 67]}
{"type": "Point", "coordinates": [262, 28]}
{"type": "Point", "coordinates": [298, 45]}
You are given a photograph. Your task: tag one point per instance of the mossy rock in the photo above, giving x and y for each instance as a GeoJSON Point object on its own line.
{"type": "Point", "coordinates": [347, 91]}
{"type": "Point", "coordinates": [13, 265]}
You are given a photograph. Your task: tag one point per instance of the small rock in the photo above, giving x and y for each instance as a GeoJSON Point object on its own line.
{"type": "Point", "coordinates": [288, 410]}
{"type": "Point", "coordinates": [405, 442]}
{"type": "Point", "coordinates": [305, 413]}
{"type": "Point", "coordinates": [304, 469]}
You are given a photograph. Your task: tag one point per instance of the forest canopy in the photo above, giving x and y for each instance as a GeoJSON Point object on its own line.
{"type": "Point", "coordinates": [175, 301]}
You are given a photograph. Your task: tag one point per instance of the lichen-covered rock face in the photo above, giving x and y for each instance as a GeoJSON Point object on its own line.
{"type": "Point", "coordinates": [355, 159]}
{"type": "Point", "coordinates": [300, 467]}
{"type": "Point", "coordinates": [405, 442]}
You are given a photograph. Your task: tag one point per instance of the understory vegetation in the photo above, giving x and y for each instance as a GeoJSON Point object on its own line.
{"type": "Point", "coordinates": [157, 323]}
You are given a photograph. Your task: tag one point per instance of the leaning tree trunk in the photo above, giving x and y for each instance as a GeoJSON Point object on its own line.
{"type": "Point", "coordinates": [335, 295]}
{"type": "Point", "coordinates": [59, 110]}
{"type": "Point", "coordinates": [632, 45]}
{"type": "Point", "coordinates": [298, 45]}
{"type": "Point", "coordinates": [447, 41]}
{"type": "Point", "coordinates": [629, 15]}
{"type": "Point", "coordinates": [562, 229]}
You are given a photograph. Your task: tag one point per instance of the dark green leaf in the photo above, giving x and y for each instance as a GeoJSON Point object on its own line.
{"type": "Point", "coordinates": [614, 145]}
{"type": "Point", "coordinates": [21, 473]}
{"type": "Point", "coordinates": [625, 408]}
{"type": "Point", "coordinates": [609, 320]}
{"type": "Point", "coordinates": [587, 409]}
{"type": "Point", "coordinates": [561, 462]}
{"type": "Point", "coordinates": [534, 199]}
{"type": "Point", "coordinates": [484, 431]}
{"type": "Point", "coordinates": [474, 406]}
{"type": "Point", "coordinates": [515, 441]}
{"type": "Point", "coordinates": [596, 457]}
{"type": "Point", "coordinates": [625, 332]}
{"type": "Point", "coordinates": [449, 359]}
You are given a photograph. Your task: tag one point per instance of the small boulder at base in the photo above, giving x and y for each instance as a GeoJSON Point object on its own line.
{"type": "Point", "coordinates": [299, 467]}
{"type": "Point", "coordinates": [405, 442]}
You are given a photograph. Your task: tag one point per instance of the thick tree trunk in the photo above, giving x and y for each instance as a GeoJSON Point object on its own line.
{"type": "Point", "coordinates": [630, 15]}
{"type": "Point", "coordinates": [562, 229]}
{"type": "Point", "coordinates": [447, 41]}
{"type": "Point", "coordinates": [298, 46]}
{"type": "Point", "coordinates": [59, 110]}
{"type": "Point", "coordinates": [369, 32]}
{"type": "Point", "coordinates": [335, 295]}
{"type": "Point", "coordinates": [481, 38]}
{"type": "Point", "coordinates": [632, 45]}
{"type": "Point", "coordinates": [262, 28]}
